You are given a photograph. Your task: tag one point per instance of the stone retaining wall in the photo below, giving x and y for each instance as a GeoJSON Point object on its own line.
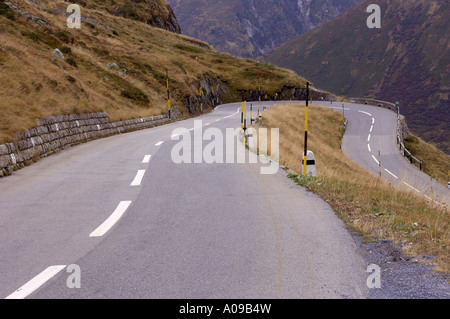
{"type": "Point", "coordinates": [58, 132]}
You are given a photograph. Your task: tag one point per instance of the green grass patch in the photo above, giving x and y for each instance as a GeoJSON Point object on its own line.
{"type": "Point", "coordinates": [188, 48]}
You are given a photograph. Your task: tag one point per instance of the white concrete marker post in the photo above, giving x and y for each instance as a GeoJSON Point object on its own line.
{"type": "Point", "coordinates": [310, 164]}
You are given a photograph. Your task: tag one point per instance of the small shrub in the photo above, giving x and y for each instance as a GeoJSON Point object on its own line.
{"type": "Point", "coordinates": [188, 48]}
{"type": "Point", "coordinates": [31, 35]}
{"type": "Point", "coordinates": [135, 94]}
{"type": "Point", "coordinates": [72, 62]}
{"type": "Point", "coordinates": [6, 11]}
{"type": "Point", "coordinates": [66, 50]}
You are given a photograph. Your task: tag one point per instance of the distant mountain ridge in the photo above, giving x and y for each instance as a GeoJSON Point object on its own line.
{"type": "Point", "coordinates": [407, 60]}
{"type": "Point", "coordinates": [250, 28]}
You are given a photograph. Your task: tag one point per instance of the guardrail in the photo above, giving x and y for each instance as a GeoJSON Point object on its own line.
{"type": "Point", "coordinates": [408, 154]}
{"type": "Point", "coordinates": [395, 108]}
{"type": "Point", "coordinates": [403, 149]}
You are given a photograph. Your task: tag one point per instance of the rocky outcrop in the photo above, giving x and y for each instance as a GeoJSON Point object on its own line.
{"type": "Point", "coordinates": [286, 93]}
{"type": "Point", "coordinates": [214, 92]}
{"type": "Point", "coordinates": [169, 23]}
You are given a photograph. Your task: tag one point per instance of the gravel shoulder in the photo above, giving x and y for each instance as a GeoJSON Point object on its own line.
{"type": "Point", "coordinates": [402, 276]}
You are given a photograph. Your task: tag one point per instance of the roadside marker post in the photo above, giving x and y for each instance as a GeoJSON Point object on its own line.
{"type": "Point", "coordinates": [379, 162]}
{"type": "Point", "coordinates": [259, 98]}
{"type": "Point", "coordinates": [343, 109]}
{"type": "Point", "coordinates": [168, 90]}
{"type": "Point", "coordinates": [217, 94]}
{"type": "Point", "coordinates": [242, 117]}
{"type": "Point", "coordinates": [201, 100]}
{"type": "Point", "coordinates": [245, 122]}
{"type": "Point", "coordinates": [305, 155]}
{"type": "Point", "coordinates": [431, 181]}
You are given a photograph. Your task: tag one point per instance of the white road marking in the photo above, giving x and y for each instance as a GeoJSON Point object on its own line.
{"type": "Point", "coordinates": [375, 159]}
{"type": "Point", "coordinates": [373, 121]}
{"type": "Point", "coordinates": [207, 124]}
{"type": "Point", "coordinates": [146, 159]}
{"type": "Point", "coordinates": [191, 129]}
{"type": "Point", "coordinates": [138, 179]}
{"type": "Point", "coordinates": [231, 115]}
{"type": "Point", "coordinates": [368, 139]}
{"type": "Point", "coordinates": [36, 282]}
{"type": "Point", "coordinates": [411, 187]}
{"type": "Point", "coordinates": [365, 113]}
{"type": "Point", "coordinates": [159, 144]}
{"type": "Point", "coordinates": [371, 129]}
{"type": "Point", "coordinates": [368, 146]}
{"type": "Point", "coordinates": [175, 135]}
{"type": "Point", "coordinates": [112, 220]}
{"type": "Point", "coordinates": [391, 173]}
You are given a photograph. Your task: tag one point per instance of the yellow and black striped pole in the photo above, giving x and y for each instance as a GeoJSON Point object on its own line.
{"type": "Point", "coordinates": [242, 116]}
{"type": "Point", "coordinates": [212, 96]}
{"type": "Point", "coordinates": [201, 99]}
{"type": "Point", "coordinates": [168, 90]}
{"type": "Point", "coordinates": [259, 98]}
{"type": "Point", "coordinates": [217, 93]}
{"type": "Point", "coordinates": [343, 110]}
{"type": "Point", "coordinates": [305, 155]}
{"type": "Point", "coordinates": [245, 122]}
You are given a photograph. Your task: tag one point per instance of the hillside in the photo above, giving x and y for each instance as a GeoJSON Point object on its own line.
{"type": "Point", "coordinates": [250, 28]}
{"type": "Point", "coordinates": [407, 60]}
{"type": "Point", "coordinates": [116, 63]}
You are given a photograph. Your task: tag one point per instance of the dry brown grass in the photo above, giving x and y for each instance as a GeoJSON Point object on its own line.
{"type": "Point", "coordinates": [36, 84]}
{"type": "Point", "coordinates": [364, 201]}
{"type": "Point", "coordinates": [436, 162]}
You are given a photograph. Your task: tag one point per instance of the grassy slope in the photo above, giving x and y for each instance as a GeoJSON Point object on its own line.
{"type": "Point", "coordinates": [37, 84]}
{"type": "Point", "coordinates": [436, 162]}
{"type": "Point", "coordinates": [368, 204]}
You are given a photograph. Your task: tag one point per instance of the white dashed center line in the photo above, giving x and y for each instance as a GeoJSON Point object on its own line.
{"type": "Point", "coordinates": [112, 220]}
{"type": "Point", "coordinates": [159, 143]}
{"type": "Point", "coordinates": [36, 282]}
{"type": "Point", "coordinates": [146, 159]}
{"type": "Point", "coordinates": [138, 179]}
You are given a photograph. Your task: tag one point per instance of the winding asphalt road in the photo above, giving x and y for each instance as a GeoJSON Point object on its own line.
{"type": "Point", "coordinates": [132, 223]}
{"type": "Point", "coordinates": [371, 135]}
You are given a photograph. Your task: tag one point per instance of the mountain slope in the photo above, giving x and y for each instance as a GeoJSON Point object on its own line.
{"type": "Point", "coordinates": [407, 60]}
{"type": "Point", "coordinates": [250, 28]}
{"type": "Point", "coordinates": [116, 63]}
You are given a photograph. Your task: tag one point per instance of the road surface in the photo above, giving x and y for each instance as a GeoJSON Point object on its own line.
{"type": "Point", "coordinates": [118, 218]}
